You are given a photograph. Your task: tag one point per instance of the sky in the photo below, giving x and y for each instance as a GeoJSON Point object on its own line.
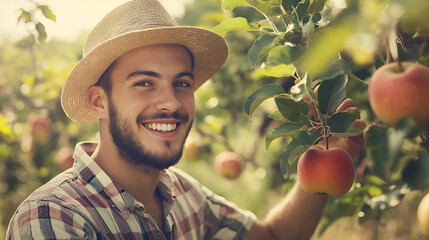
{"type": "Point", "coordinates": [73, 16]}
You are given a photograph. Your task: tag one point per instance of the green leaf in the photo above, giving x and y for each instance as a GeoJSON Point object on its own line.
{"type": "Point", "coordinates": [316, 6]}
{"type": "Point", "coordinates": [340, 122]}
{"type": "Point", "coordinates": [25, 16]}
{"type": "Point", "coordinates": [324, 48]}
{"type": "Point", "coordinates": [276, 115]}
{"type": "Point", "coordinates": [295, 149]}
{"type": "Point", "coordinates": [283, 130]}
{"type": "Point", "coordinates": [384, 147]}
{"type": "Point", "coordinates": [302, 8]}
{"type": "Point", "coordinates": [284, 55]}
{"type": "Point", "coordinates": [231, 4]}
{"type": "Point", "coordinates": [416, 172]}
{"type": "Point", "coordinates": [263, 42]}
{"type": "Point", "coordinates": [42, 32]}
{"type": "Point", "coordinates": [281, 70]}
{"type": "Point", "coordinates": [293, 111]}
{"type": "Point", "coordinates": [331, 93]}
{"type": "Point", "coordinates": [265, 7]}
{"type": "Point", "coordinates": [415, 15]}
{"type": "Point", "coordinates": [337, 68]}
{"type": "Point", "coordinates": [377, 149]}
{"type": "Point", "coordinates": [290, 5]}
{"type": "Point", "coordinates": [234, 24]}
{"type": "Point", "coordinates": [261, 94]}
{"type": "Point", "coordinates": [47, 12]}
{"type": "Point", "coordinates": [349, 132]}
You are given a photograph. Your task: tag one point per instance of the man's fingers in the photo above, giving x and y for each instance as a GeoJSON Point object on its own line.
{"type": "Point", "coordinates": [347, 103]}
{"type": "Point", "coordinates": [359, 124]}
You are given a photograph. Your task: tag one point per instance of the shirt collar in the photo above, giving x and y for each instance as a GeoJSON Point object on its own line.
{"type": "Point", "coordinates": [119, 199]}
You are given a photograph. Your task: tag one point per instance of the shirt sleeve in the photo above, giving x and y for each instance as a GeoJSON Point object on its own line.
{"type": "Point", "coordinates": [224, 219]}
{"type": "Point", "coordinates": [48, 220]}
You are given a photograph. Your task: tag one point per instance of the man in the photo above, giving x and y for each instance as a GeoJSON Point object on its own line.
{"type": "Point", "coordinates": [137, 79]}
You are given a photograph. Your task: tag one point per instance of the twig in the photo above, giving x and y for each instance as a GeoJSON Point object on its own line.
{"type": "Point", "coordinates": [350, 74]}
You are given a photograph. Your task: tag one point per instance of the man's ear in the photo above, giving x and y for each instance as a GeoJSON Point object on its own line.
{"type": "Point", "coordinates": [97, 98]}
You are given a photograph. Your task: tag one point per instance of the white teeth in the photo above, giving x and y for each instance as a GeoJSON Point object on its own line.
{"type": "Point", "coordinates": [161, 126]}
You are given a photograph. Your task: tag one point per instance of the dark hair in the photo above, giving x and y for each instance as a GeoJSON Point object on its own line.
{"type": "Point", "coordinates": [105, 80]}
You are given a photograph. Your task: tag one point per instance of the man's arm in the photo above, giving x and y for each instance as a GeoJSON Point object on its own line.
{"type": "Point", "coordinates": [48, 220]}
{"type": "Point", "coordinates": [297, 216]}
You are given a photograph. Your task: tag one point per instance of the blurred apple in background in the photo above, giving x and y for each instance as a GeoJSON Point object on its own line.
{"type": "Point", "coordinates": [192, 150]}
{"type": "Point", "coordinates": [40, 128]}
{"type": "Point", "coordinates": [229, 164]}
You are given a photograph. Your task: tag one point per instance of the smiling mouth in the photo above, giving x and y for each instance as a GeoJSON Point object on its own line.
{"type": "Point", "coordinates": [163, 127]}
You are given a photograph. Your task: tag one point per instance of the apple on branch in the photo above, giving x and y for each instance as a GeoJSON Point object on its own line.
{"type": "Point", "coordinates": [229, 164]}
{"type": "Point", "coordinates": [326, 172]}
{"type": "Point", "coordinates": [401, 89]}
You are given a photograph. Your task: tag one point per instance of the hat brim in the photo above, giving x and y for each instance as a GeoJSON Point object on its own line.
{"type": "Point", "coordinates": [209, 52]}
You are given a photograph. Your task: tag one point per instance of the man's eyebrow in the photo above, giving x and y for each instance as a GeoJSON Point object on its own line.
{"type": "Point", "coordinates": [183, 74]}
{"type": "Point", "coordinates": [147, 73]}
{"type": "Point", "coordinates": [155, 74]}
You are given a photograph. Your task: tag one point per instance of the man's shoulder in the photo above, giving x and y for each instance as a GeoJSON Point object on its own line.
{"type": "Point", "coordinates": [60, 189]}
{"type": "Point", "coordinates": [183, 179]}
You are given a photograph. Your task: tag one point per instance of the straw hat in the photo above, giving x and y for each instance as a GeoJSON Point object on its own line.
{"type": "Point", "coordinates": [132, 25]}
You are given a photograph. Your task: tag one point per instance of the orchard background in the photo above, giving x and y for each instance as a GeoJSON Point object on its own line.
{"type": "Point", "coordinates": [291, 43]}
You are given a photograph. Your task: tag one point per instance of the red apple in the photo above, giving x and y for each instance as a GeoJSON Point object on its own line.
{"type": "Point", "coordinates": [192, 150]}
{"type": "Point", "coordinates": [40, 127]}
{"type": "Point", "coordinates": [396, 92]}
{"type": "Point", "coordinates": [423, 215]}
{"type": "Point", "coordinates": [229, 164]}
{"type": "Point", "coordinates": [326, 172]}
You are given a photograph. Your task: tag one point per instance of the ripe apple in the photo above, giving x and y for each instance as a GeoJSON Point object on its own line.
{"type": "Point", "coordinates": [192, 150]}
{"type": "Point", "coordinates": [229, 164]}
{"type": "Point", "coordinates": [423, 215]}
{"type": "Point", "coordinates": [396, 92]}
{"type": "Point", "coordinates": [40, 127]}
{"type": "Point", "coordinates": [326, 172]}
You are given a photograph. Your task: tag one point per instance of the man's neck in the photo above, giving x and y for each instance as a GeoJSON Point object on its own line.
{"type": "Point", "coordinates": [140, 181]}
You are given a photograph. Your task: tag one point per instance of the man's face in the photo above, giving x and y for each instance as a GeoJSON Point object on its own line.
{"type": "Point", "coordinates": [152, 105]}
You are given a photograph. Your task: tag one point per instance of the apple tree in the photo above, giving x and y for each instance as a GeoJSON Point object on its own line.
{"type": "Point", "coordinates": [330, 50]}
{"type": "Point", "coordinates": [36, 138]}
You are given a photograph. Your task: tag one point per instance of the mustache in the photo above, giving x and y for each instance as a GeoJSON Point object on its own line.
{"type": "Point", "coordinates": [162, 115]}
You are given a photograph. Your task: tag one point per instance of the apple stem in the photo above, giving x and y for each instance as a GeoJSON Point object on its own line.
{"type": "Point", "coordinates": [327, 143]}
{"type": "Point", "coordinates": [401, 68]}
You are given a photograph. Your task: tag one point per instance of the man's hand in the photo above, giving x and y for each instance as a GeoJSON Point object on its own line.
{"type": "Point", "coordinates": [351, 144]}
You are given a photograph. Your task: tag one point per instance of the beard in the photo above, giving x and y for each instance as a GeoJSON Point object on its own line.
{"type": "Point", "coordinates": [133, 152]}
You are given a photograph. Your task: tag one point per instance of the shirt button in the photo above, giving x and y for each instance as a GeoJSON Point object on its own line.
{"type": "Point", "coordinates": [158, 235]}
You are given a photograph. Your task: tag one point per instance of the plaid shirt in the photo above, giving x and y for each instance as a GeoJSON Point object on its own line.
{"type": "Point", "coordinates": [84, 203]}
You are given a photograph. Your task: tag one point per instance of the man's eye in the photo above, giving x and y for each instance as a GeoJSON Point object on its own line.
{"type": "Point", "coordinates": [184, 84]}
{"type": "Point", "coordinates": [142, 84]}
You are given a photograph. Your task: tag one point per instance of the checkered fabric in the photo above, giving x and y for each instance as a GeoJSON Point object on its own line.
{"type": "Point", "coordinates": [84, 203]}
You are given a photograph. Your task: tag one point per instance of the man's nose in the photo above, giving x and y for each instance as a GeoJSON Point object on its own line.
{"type": "Point", "coordinates": [167, 100]}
